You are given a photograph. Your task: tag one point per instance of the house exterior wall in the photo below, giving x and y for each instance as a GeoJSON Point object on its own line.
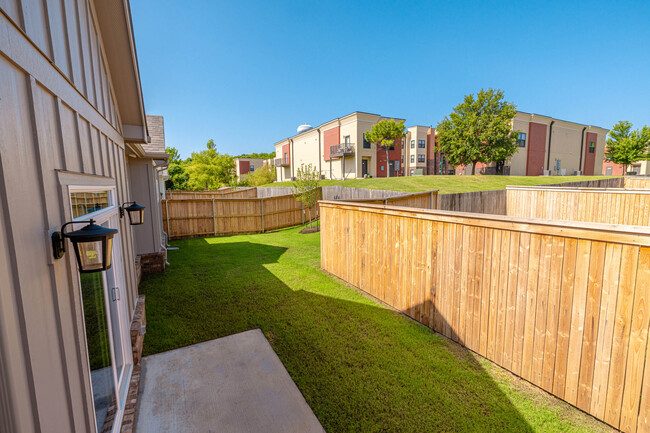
{"type": "Point", "coordinates": [59, 125]}
{"type": "Point", "coordinates": [144, 191]}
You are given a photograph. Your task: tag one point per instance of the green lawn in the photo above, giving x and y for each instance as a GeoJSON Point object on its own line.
{"type": "Point", "coordinates": [361, 366]}
{"type": "Point", "coordinates": [449, 184]}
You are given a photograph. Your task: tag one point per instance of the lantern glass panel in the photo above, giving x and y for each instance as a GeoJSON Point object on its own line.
{"type": "Point", "coordinates": [136, 217]}
{"type": "Point", "coordinates": [91, 255]}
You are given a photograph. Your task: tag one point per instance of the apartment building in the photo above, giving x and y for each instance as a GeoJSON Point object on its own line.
{"type": "Point", "coordinates": [421, 156]}
{"type": "Point", "coordinates": [545, 145]}
{"type": "Point", "coordinates": [641, 168]}
{"type": "Point", "coordinates": [338, 149]}
{"type": "Point", "coordinates": [552, 146]}
{"type": "Point", "coordinates": [246, 166]}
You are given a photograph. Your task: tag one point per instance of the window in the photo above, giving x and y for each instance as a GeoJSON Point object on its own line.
{"type": "Point", "coordinates": [422, 144]}
{"type": "Point", "coordinates": [285, 157]}
{"type": "Point", "coordinates": [88, 202]}
{"type": "Point", "coordinates": [521, 139]}
{"type": "Point", "coordinates": [420, 158]}
{"type": "Point", "coordinates": [346, 139]}
{"type": "Point", "coordinates": [366, 143]}
{"type": "Point", "coordinates": [412, 159]}
{"type": "Point", "coordinates": [592, 147]}
{"type": "Point", "coordinates": [412, 144]}
{"type": "Point", "coordinates": [252, 168]}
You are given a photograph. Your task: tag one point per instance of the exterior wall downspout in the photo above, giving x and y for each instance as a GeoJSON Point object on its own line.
{"type": "Point", "coordinates": [582, 145]}
{"type": "Point", "coordinates": [550, 137]}
{"type": "Point", "coordinates": [292, 160]}
{"type": "Point", "coordinates": [320, 157]}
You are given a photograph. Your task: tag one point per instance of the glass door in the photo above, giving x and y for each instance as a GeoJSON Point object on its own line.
{"type": "Point", "coordinates": [107, 330]}
{"type": "Point", "coordinates": [98, 343]}
{"type": "Point", "coordinates": [119, 320]}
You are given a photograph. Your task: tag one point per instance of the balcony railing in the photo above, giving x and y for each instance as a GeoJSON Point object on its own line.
{"type": "Point", "coordinates": [342, 149]}
{"type": "Point", "coordinates": [281, 162]}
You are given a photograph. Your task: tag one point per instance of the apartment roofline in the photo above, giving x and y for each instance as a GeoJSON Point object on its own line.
{"type": "Point", "coordinates": [562, 120]}
{"type": "Point", "coordinates": [334, 120]}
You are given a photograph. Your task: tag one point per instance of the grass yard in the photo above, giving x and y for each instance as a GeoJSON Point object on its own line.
{"type": "Point", "coordinates": [361, 366]}
{"type": "Point", "coordinates": [449, 184]}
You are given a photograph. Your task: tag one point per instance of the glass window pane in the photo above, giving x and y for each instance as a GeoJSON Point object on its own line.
{"type": "Point", "coordinates": [99, 353]}
{"type": "Point", "coordinates": [87, 202]}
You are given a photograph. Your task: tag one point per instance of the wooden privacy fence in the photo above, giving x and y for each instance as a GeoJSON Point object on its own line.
{"type": "Point", "coordinates": [492, 202]}
{"type": "Point", "coordinates": [421, 200]}
{"type": "Point", "coordinates": [225, 193]}
{"type": "Point", "coordinates": [637, 182]}
{"type": "Point", "coordinates": [227, 216]}
{"type": "Point", "coordinates": [564, 305]}
{"type": "Point", "coordinates": [612, 206]}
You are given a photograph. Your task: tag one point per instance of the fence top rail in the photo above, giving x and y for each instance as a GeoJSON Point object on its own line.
{"type": "Point", "coordinates": [616, 233]}
{"type": "Point", "coordinates": [578, 189]}
{"type": "Point", "coordinates": [398, 197]}
{"type": "Point", "coordinates": [235, 199]}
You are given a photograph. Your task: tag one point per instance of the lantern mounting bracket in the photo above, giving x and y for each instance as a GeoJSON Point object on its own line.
{"type": "Point", "coordinates": [58, 238]}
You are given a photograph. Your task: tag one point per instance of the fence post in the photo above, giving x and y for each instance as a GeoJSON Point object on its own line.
{"type": "Point", "coordinates": [431, 206]}
{"type": "Point", "coordinates": [214, 219]}
{"type": "Point", "coordinates": [262, 212]}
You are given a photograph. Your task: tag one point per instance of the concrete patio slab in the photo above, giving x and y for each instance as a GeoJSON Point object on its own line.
{"type": "Point", "coordinates": [232, 384]}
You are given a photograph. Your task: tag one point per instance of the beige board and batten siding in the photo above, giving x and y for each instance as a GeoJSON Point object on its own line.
{"type": "Point", "coordinates": [491, 283]}
{"type": "Point", "coordinates": [59, 125]}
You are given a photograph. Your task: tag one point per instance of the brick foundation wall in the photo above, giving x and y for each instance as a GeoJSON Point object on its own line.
{"type": "Point", "coordinates": [153, 263]}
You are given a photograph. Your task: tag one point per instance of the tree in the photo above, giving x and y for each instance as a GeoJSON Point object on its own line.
{"type": "Point", "coordinates": [385, 133]}
{"type": "Point", "coordinates": [209, 170]}
{"type": "Point", "coordinates": [177, 176]}
{"type": "Point", "coordinates": [261, 176]}
{"type": "Point", "coordinates": [257, 155]}
{"type": "Point", "coordinates": [305, 187]}
{"type": "Point", "coordinates": [479, 130]}
{"type": "Point", "coordinates": [625, 146]}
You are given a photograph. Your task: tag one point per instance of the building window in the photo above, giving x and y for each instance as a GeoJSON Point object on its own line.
{"type": "Point", "coordinates": [592, 147]}
{"type": "Point", "coordinates": [420, 158]}
{"type": "Point", "coordinates": [366, 143]}
{"type": "Point", "coordinates": [346, 139]}
{"type": "Point", "coordinates": [86, 202]}
{"type": "Point", "coordinates": [412, 158]}
{"type": "Point", "coordinates": [412, 144]}
{"type": "Point", "coordinates": [252, 168]}
{"type": "Point", "coordinates": [285, 157]}
{"type": "Point", "coordinates": [521, 139]}
{"type": "Point", "coordinates": [422, 144]}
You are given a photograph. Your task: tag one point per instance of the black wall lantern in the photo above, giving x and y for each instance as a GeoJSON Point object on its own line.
{"type": "Point", "coordinates": [135, 211]}
{"type": "Point", "coordinates": [93, 246]}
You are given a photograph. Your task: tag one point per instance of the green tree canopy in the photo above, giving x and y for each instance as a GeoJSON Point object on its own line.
{"type": "Point", "coordinates": [257, 155]}
{"type": "Point", "coordinates": [261, 176]}
{"type": "Point", "coordinates": [177, 176]}
{"type": "Point", "coordinates": [384, 134]}
{"type": "Point", "coordinates": [305, 187]}
{"type": "Point", "coordinates": [209, 170]}
{"type": "Point", "coordinates": [625, 146]}
{"type": "Point", "coordinates": [479, 130]}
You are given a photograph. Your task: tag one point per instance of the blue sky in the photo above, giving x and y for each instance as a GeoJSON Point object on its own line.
{"type": "Point", "coordinates": [247, 73]}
